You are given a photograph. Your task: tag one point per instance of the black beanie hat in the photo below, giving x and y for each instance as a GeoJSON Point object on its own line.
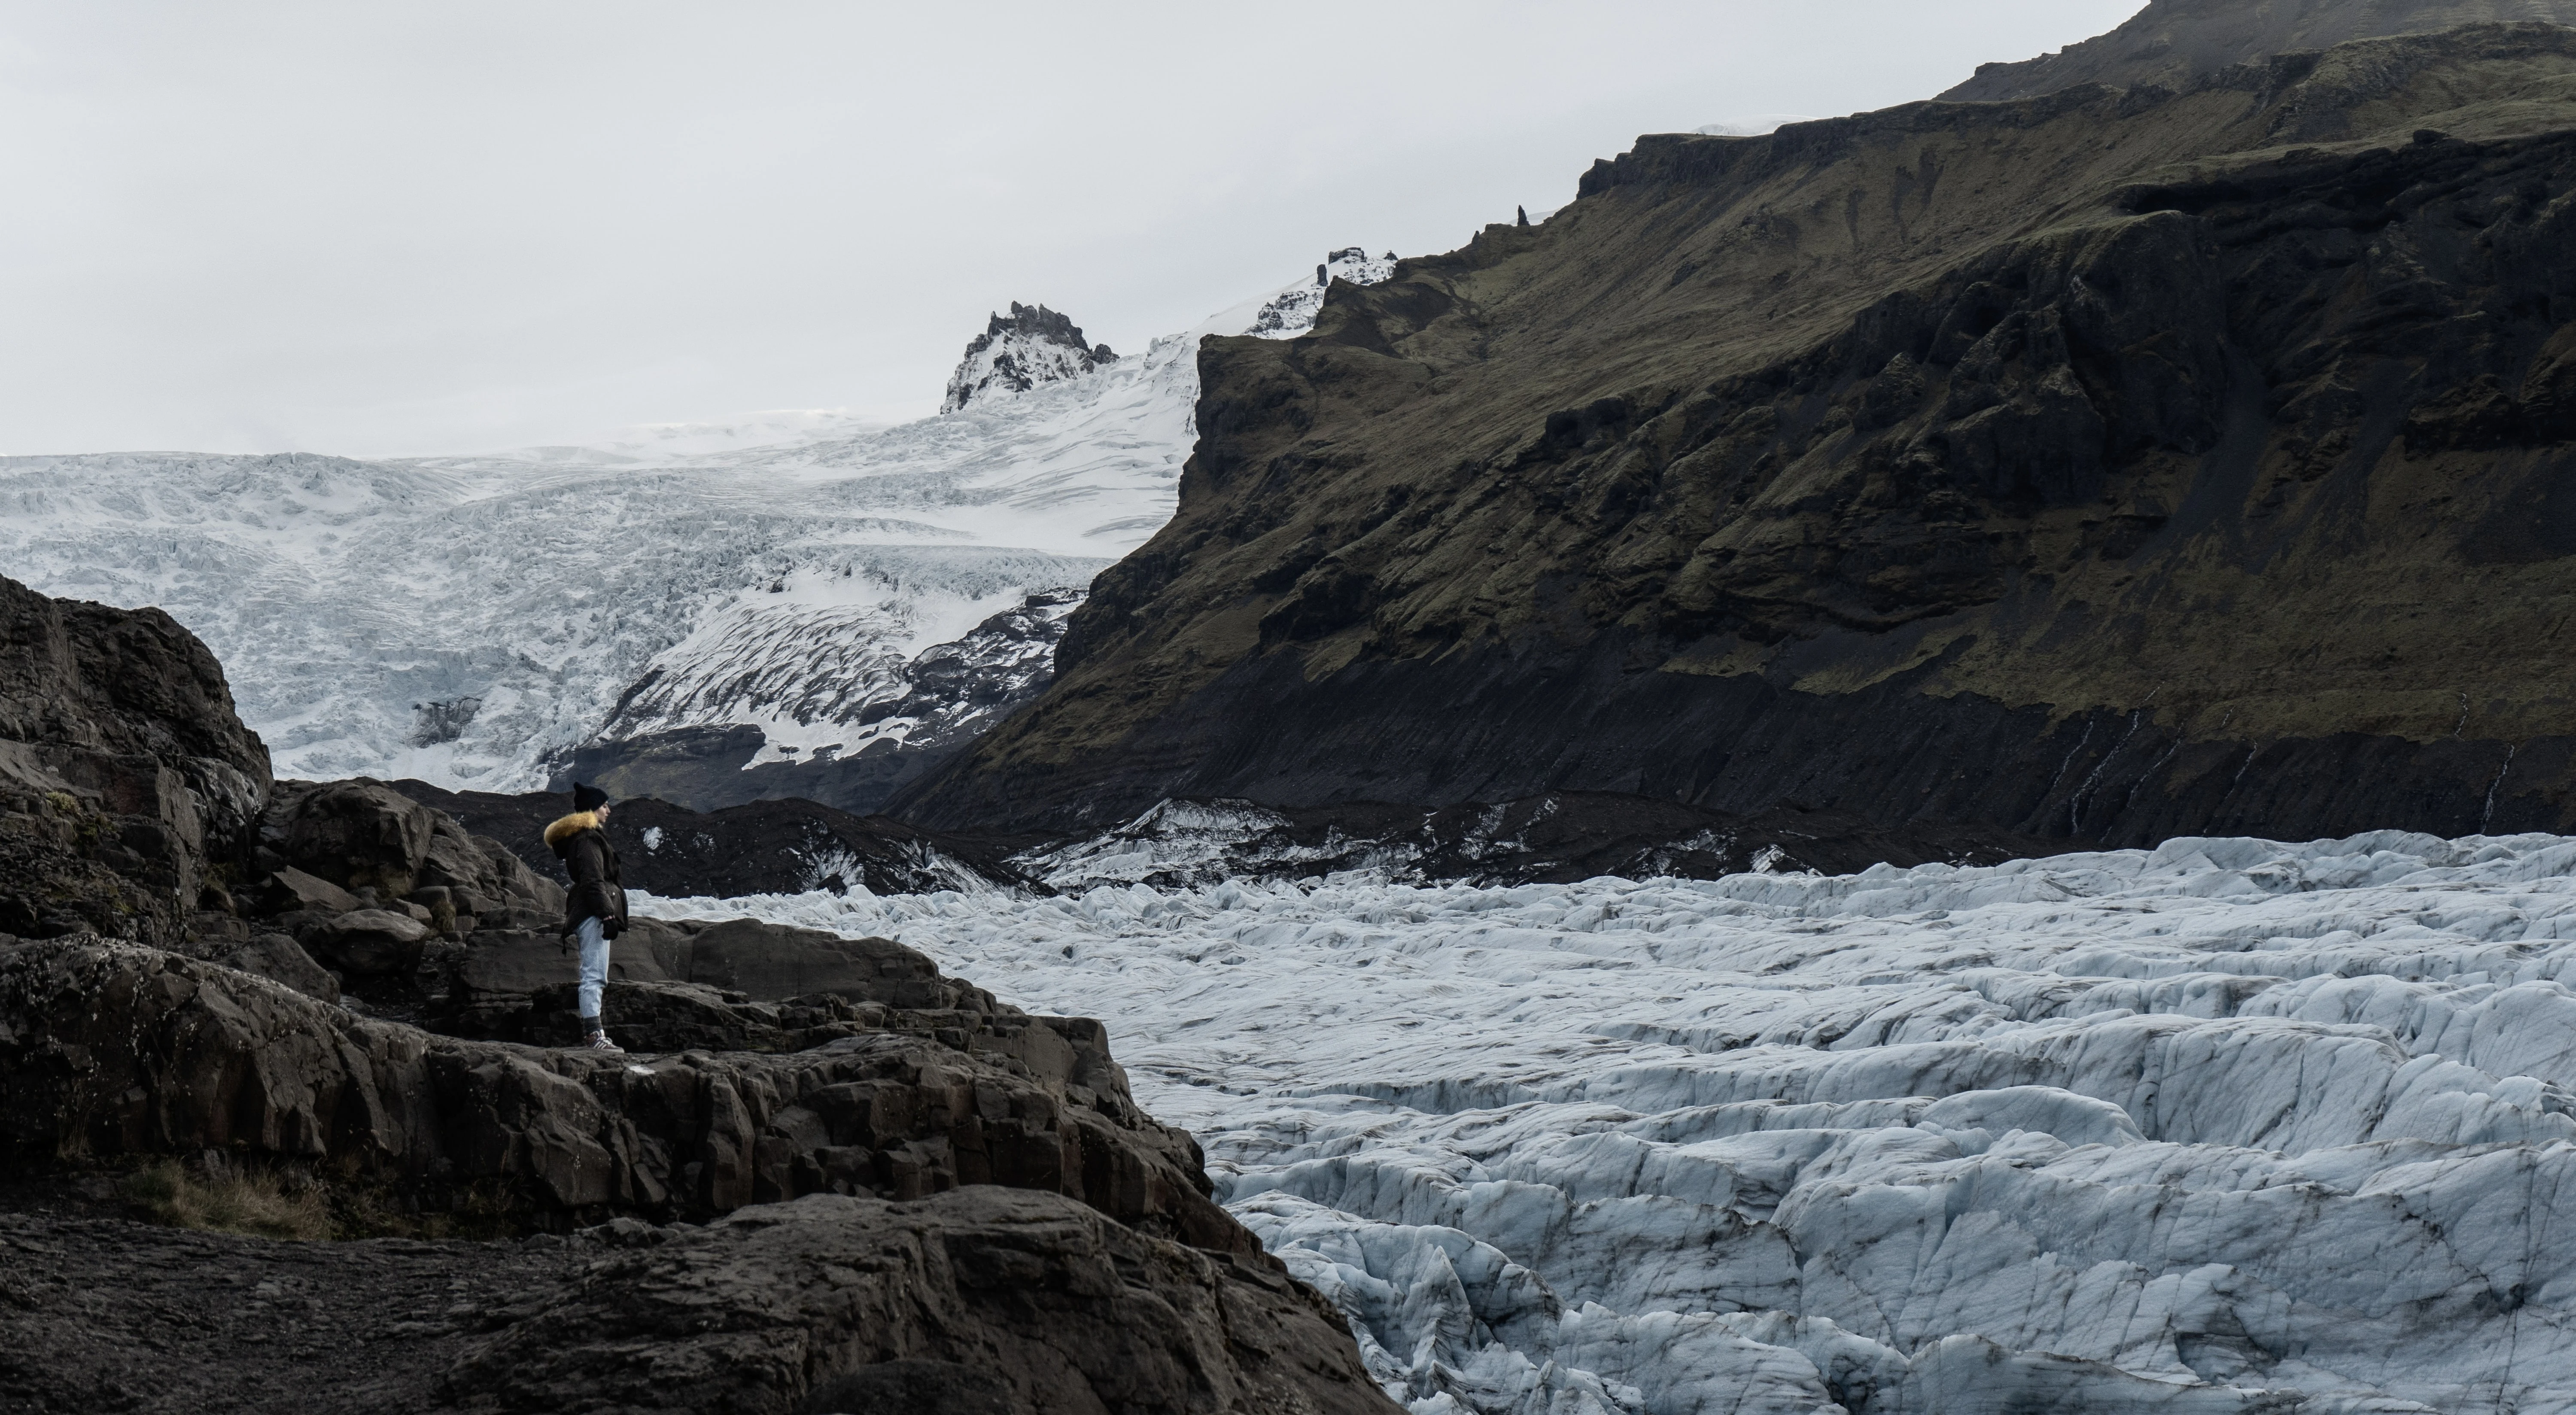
{"type": "Point", "coordinates": [587, 798]}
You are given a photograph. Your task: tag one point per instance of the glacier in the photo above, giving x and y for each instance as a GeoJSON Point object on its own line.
{"type": "Point", "coordinates": [2229, 1125]}
{"type": "Point", "coordinates": [469, 620]}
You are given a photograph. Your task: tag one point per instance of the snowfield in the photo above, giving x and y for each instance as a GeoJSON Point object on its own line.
{"type": "Point", "coordinates": [2228, 1126]}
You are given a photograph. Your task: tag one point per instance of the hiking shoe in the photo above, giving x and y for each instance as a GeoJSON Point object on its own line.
{"type": "Point", "coordinates": [598, 1041]}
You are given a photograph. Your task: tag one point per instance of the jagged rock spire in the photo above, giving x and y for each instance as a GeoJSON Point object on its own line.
{"type": "Point", "coordinates": [1033, 345]}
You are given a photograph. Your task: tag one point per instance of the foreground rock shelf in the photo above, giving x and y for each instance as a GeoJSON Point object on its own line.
{"type": "Point", "coordinates": [934, 1219]}
{"type": "Point", "coordinates": [975, 1301]}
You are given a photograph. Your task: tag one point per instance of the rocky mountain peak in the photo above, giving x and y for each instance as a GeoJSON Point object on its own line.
{"type": "Point", "coordinates": [1032, 345]}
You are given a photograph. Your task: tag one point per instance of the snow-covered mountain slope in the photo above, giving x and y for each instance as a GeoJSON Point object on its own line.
{"type": "Point", "coordinates": [1292, 312]}
{"type": "Point", "coordinates": [470, 620]}
{"type": "Point", "coordinates": [2229, 1126]}
{"type": "Point", "coordinates": [852, 749]}
{"type": "Point", "coordinates": [1033, 346]}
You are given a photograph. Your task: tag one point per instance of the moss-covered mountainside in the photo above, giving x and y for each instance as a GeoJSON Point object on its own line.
{"type": "Point", "coordinates": [2177, 42]}
{"type": "Point", "coordinates": [2107, 465]}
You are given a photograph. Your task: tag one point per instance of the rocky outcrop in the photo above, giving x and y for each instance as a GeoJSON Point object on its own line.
{"type": "Point", "coordinates": [764, 847]}
{"type": "Point", "coordinates": [361, 891]}
{"type": "Point", "coordinates": [983, 1219]}
{"type": "Point", "coordinates": [1031, 346]}
{"type": "Point", "coordinates": [969, 1303]}
{"type": "Point", "coordinates": [376, 844]}
{"type": "Point", "coordinates": [128, 785]}
{"type": "Point", "coordinates": [115, 1053]}
{"type": "Point", "coordinates": [2174, 43]}
{"type": "Point", "coordinates": [2105, 466]}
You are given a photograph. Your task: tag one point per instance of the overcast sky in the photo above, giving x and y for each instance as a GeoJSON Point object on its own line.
{"type": "Point", "coordinates": [402, 227]}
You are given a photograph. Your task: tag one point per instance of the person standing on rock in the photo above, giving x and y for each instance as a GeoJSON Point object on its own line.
{"type": "Point", "coordinates": [595, 910]}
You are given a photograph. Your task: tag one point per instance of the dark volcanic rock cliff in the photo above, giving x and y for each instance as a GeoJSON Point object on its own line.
{"type": "Point", "coordinates": [2175, 43]}
{"type": "Point", "coordinates": [2105, 465]}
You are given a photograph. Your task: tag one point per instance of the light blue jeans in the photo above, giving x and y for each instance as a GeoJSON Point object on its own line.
{"type": "Point", "coordinates": [594, 968]}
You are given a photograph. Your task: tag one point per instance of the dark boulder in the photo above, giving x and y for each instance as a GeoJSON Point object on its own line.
{"type": "Point", "coordinates": [289, 890]}
{"type": "Point", "coordinates": [360, 835]}
{"type": "Point", "coordinates": [370, 839]}
{"type": "Point", "coordinates": [750, 986]}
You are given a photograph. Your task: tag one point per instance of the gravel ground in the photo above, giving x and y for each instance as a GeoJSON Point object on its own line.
{"type": "Point", "coordinates": [101, 1313]}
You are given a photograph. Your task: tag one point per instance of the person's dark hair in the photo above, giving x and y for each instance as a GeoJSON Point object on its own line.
{"type": "Point", "coordinates": [587, 798]}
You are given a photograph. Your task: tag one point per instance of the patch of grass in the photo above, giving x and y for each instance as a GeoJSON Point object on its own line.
{"type": "Point", "coordinates": [268, 1203]}
{"type": "Point", "coordinates": [258, 1203]}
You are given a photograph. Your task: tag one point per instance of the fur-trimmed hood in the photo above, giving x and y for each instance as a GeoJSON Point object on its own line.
{"type": "Point", "coordinates": [570, 826]}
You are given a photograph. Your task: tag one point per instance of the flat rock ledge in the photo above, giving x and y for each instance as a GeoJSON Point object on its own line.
{"type": "Point", "coordinates": [113, 1053]}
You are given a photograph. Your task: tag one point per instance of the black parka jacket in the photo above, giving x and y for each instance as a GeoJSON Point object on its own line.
{"type": "Point", "coordinates": [598, 891]}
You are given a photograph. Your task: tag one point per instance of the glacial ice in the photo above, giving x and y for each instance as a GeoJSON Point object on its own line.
{"type": "Point", "coordinates": [2229, 1125]}
{"type": "Point", "coordinates": [469, 619]}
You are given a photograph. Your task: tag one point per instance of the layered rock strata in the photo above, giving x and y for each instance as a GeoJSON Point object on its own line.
{"type": "Point", "coordinates": [2107, 466]}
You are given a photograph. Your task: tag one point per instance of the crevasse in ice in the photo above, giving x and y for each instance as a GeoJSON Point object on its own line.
{"type": "Point", "coordinates": [2228, 1125]}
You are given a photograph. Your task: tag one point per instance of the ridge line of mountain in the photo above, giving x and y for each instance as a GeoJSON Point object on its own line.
{"type": "Point", "coordinates": [2018, 464]}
